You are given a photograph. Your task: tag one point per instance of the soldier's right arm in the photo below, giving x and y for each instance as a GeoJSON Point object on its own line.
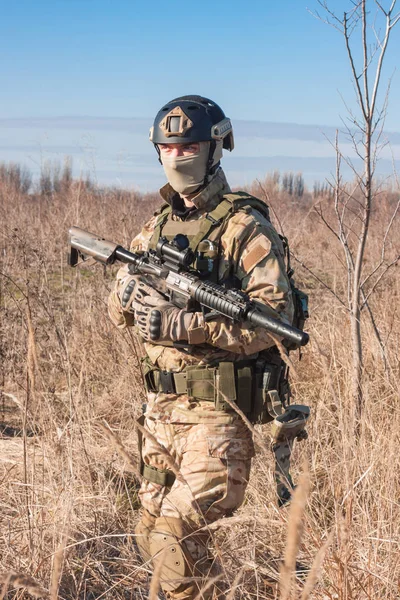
{"type": "Point", "coordinates": [118, 316]}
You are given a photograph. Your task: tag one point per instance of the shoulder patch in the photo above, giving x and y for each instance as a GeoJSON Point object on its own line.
{"type": "Point", "coordinates": [256, 250]}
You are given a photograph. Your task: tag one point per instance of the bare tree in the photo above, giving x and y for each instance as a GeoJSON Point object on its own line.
{"type": "Point", "coordinates": [16, 177]}
{"type": "Point", "coordinates": [364, 128]}
{"type": "Point", "coordinates": [299, 185]}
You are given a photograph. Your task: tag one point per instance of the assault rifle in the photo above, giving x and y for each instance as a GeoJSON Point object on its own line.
{"type": "Point", "coordinates": [171, 262]}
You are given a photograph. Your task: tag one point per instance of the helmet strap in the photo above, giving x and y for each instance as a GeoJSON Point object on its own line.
{"type": "Point", "coordinates": [158, 152]}
{"type": "Point", "coordinates": [209, 167]}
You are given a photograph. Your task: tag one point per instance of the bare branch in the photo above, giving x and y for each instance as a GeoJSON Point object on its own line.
{"type": "Point", "coordinates": [381, 276]}
{"type": "Point", "coordinates": [366, 61]}
{"type": "Point", "coordinates": [383, 251]}
{"type": "Point", "coordinates": [325, 222]}
{"type": "Point", "coordinates": [392, 6]}
{"type": "Point", "coordinates": [381, 7]}
{"type": "Point", "coordinates": [389, 12]}
{"type": "Point", "coordinates": [352, 118]}
{"type": "Point", "coordinates": [330, 20]}
{"type": "Point", "coordinates": [342, 237]}
{"type": "Point", "coordinates": [326, 286]}
{"type": "Point", "coordinates": [380, 62]}
{"type": "Point", "coordinates": [350, 229]}
{"type": "Point", "coordinates": [372, 273]}
{"type": "Point", "coordinates": [381, 118]}
{"type": "Point", "coordinates": [353, 67]}
{"type": "Point", "coordinates": [376, 330]}
{"type": "Point", "coordinates": [395, 21]}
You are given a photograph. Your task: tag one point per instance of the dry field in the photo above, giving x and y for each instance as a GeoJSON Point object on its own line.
{"type": "Point", "coordinates": [68, 501]}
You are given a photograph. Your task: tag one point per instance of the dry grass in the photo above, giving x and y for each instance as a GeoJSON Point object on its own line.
{"type": "Point", "coordinates": [68, 501]}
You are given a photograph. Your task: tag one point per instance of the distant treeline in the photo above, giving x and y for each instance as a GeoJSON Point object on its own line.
{"type": "Point", "coordinates": [56, 178]}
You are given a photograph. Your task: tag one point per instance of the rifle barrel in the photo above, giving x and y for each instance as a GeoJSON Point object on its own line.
{"type": "Point", "coordinates": [290, 333]}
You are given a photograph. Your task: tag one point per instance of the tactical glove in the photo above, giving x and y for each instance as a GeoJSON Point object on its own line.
{"type": "Point", "coordinates": [133, 290]}
{"type": "Point", "coordinates": [161, 321]}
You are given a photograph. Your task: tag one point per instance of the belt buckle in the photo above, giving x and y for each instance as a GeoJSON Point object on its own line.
{"type": "Point", "coordinates": [167, 383]}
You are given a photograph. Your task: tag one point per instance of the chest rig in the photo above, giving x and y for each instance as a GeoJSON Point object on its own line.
{"type": "Point", "coordinates": [204, 234]}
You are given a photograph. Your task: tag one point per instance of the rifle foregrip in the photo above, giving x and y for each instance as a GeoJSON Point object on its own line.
{"type": "Point", "coordinates": [216, 297]}
{"type": "Point", "coordinates": [290, 333]}
{"type": "Point", "coordinates": [212, 295]}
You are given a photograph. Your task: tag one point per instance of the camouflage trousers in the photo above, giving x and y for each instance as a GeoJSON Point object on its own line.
{"type": "Point", "coordinates": [213, 461]}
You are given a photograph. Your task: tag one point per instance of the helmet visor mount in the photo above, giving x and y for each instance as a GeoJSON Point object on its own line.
{"type": "Point", "coordinates": [176, 123]}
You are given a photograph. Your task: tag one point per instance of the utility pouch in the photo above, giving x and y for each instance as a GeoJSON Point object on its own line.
{"type": "Point", "coordinates": [267, 403]}
{"type": "Point", "coordinates": [201, 383]}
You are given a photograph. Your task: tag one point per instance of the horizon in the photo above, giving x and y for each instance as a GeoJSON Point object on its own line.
{"type": "Point", "coordinates": [115, 151]}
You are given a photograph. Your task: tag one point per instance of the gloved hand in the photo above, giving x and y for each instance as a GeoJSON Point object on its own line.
{"type": "Point", "coordinates": [161, 321]}
{"type": "Point", "coordinates": [134, 289]}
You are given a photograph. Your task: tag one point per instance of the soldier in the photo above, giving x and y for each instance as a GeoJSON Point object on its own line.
{"type": "Point", "coordinates": [196, 359]}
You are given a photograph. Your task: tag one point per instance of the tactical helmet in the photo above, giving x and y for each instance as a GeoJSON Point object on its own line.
{"type": "Point", "coordinates": [194, 119]}
{"type": "Point", "coordinates": [191, 119]}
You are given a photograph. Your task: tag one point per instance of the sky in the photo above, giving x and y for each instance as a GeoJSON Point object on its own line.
{"type": "Point", "coordinates": [67, 67]}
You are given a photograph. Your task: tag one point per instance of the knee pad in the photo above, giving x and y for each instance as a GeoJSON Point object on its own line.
{"type": "Point", "coordinates": [168, 548]}
{"type": "Point", "coordinates": [142, 531]}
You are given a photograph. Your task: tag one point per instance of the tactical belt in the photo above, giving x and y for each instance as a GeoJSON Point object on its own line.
{"type": "Point", "coordinates": [205, 383]}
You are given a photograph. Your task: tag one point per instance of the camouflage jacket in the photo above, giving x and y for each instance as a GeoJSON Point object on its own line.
{"type": "Point", "coordinates": [252, 250]}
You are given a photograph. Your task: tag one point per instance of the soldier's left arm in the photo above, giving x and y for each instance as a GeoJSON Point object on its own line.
{"type": "Point", "coordinates": [252, 252]}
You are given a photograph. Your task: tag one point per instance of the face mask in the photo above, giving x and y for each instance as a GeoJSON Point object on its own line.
{"type": "Point", "coordinates": [186, 173]}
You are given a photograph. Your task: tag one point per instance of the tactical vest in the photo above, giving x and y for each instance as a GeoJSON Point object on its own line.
{"type": "Point", "coordinates": [211, 227]}
{"type": "Point", "coordinates": [274, 389]}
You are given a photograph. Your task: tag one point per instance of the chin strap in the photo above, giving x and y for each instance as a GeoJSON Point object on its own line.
{"type": "Point", "coordinates": [158, 152]}
{"type": "Point", "coordinates": [209, 167]}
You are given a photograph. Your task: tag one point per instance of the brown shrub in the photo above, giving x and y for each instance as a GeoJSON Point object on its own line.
{"type": "Point", "coordinates": [68, 502]}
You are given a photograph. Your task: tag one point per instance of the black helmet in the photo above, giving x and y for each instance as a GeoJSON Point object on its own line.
{"type": "Point", "coordinates": [191, 119]}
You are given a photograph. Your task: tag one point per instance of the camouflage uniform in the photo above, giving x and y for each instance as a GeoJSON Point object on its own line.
{"type": "Point", "coordinates": [211, 448]}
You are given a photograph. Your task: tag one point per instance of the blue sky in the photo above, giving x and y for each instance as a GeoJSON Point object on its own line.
{"type": "Point", "coordinates": [260, 60]}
